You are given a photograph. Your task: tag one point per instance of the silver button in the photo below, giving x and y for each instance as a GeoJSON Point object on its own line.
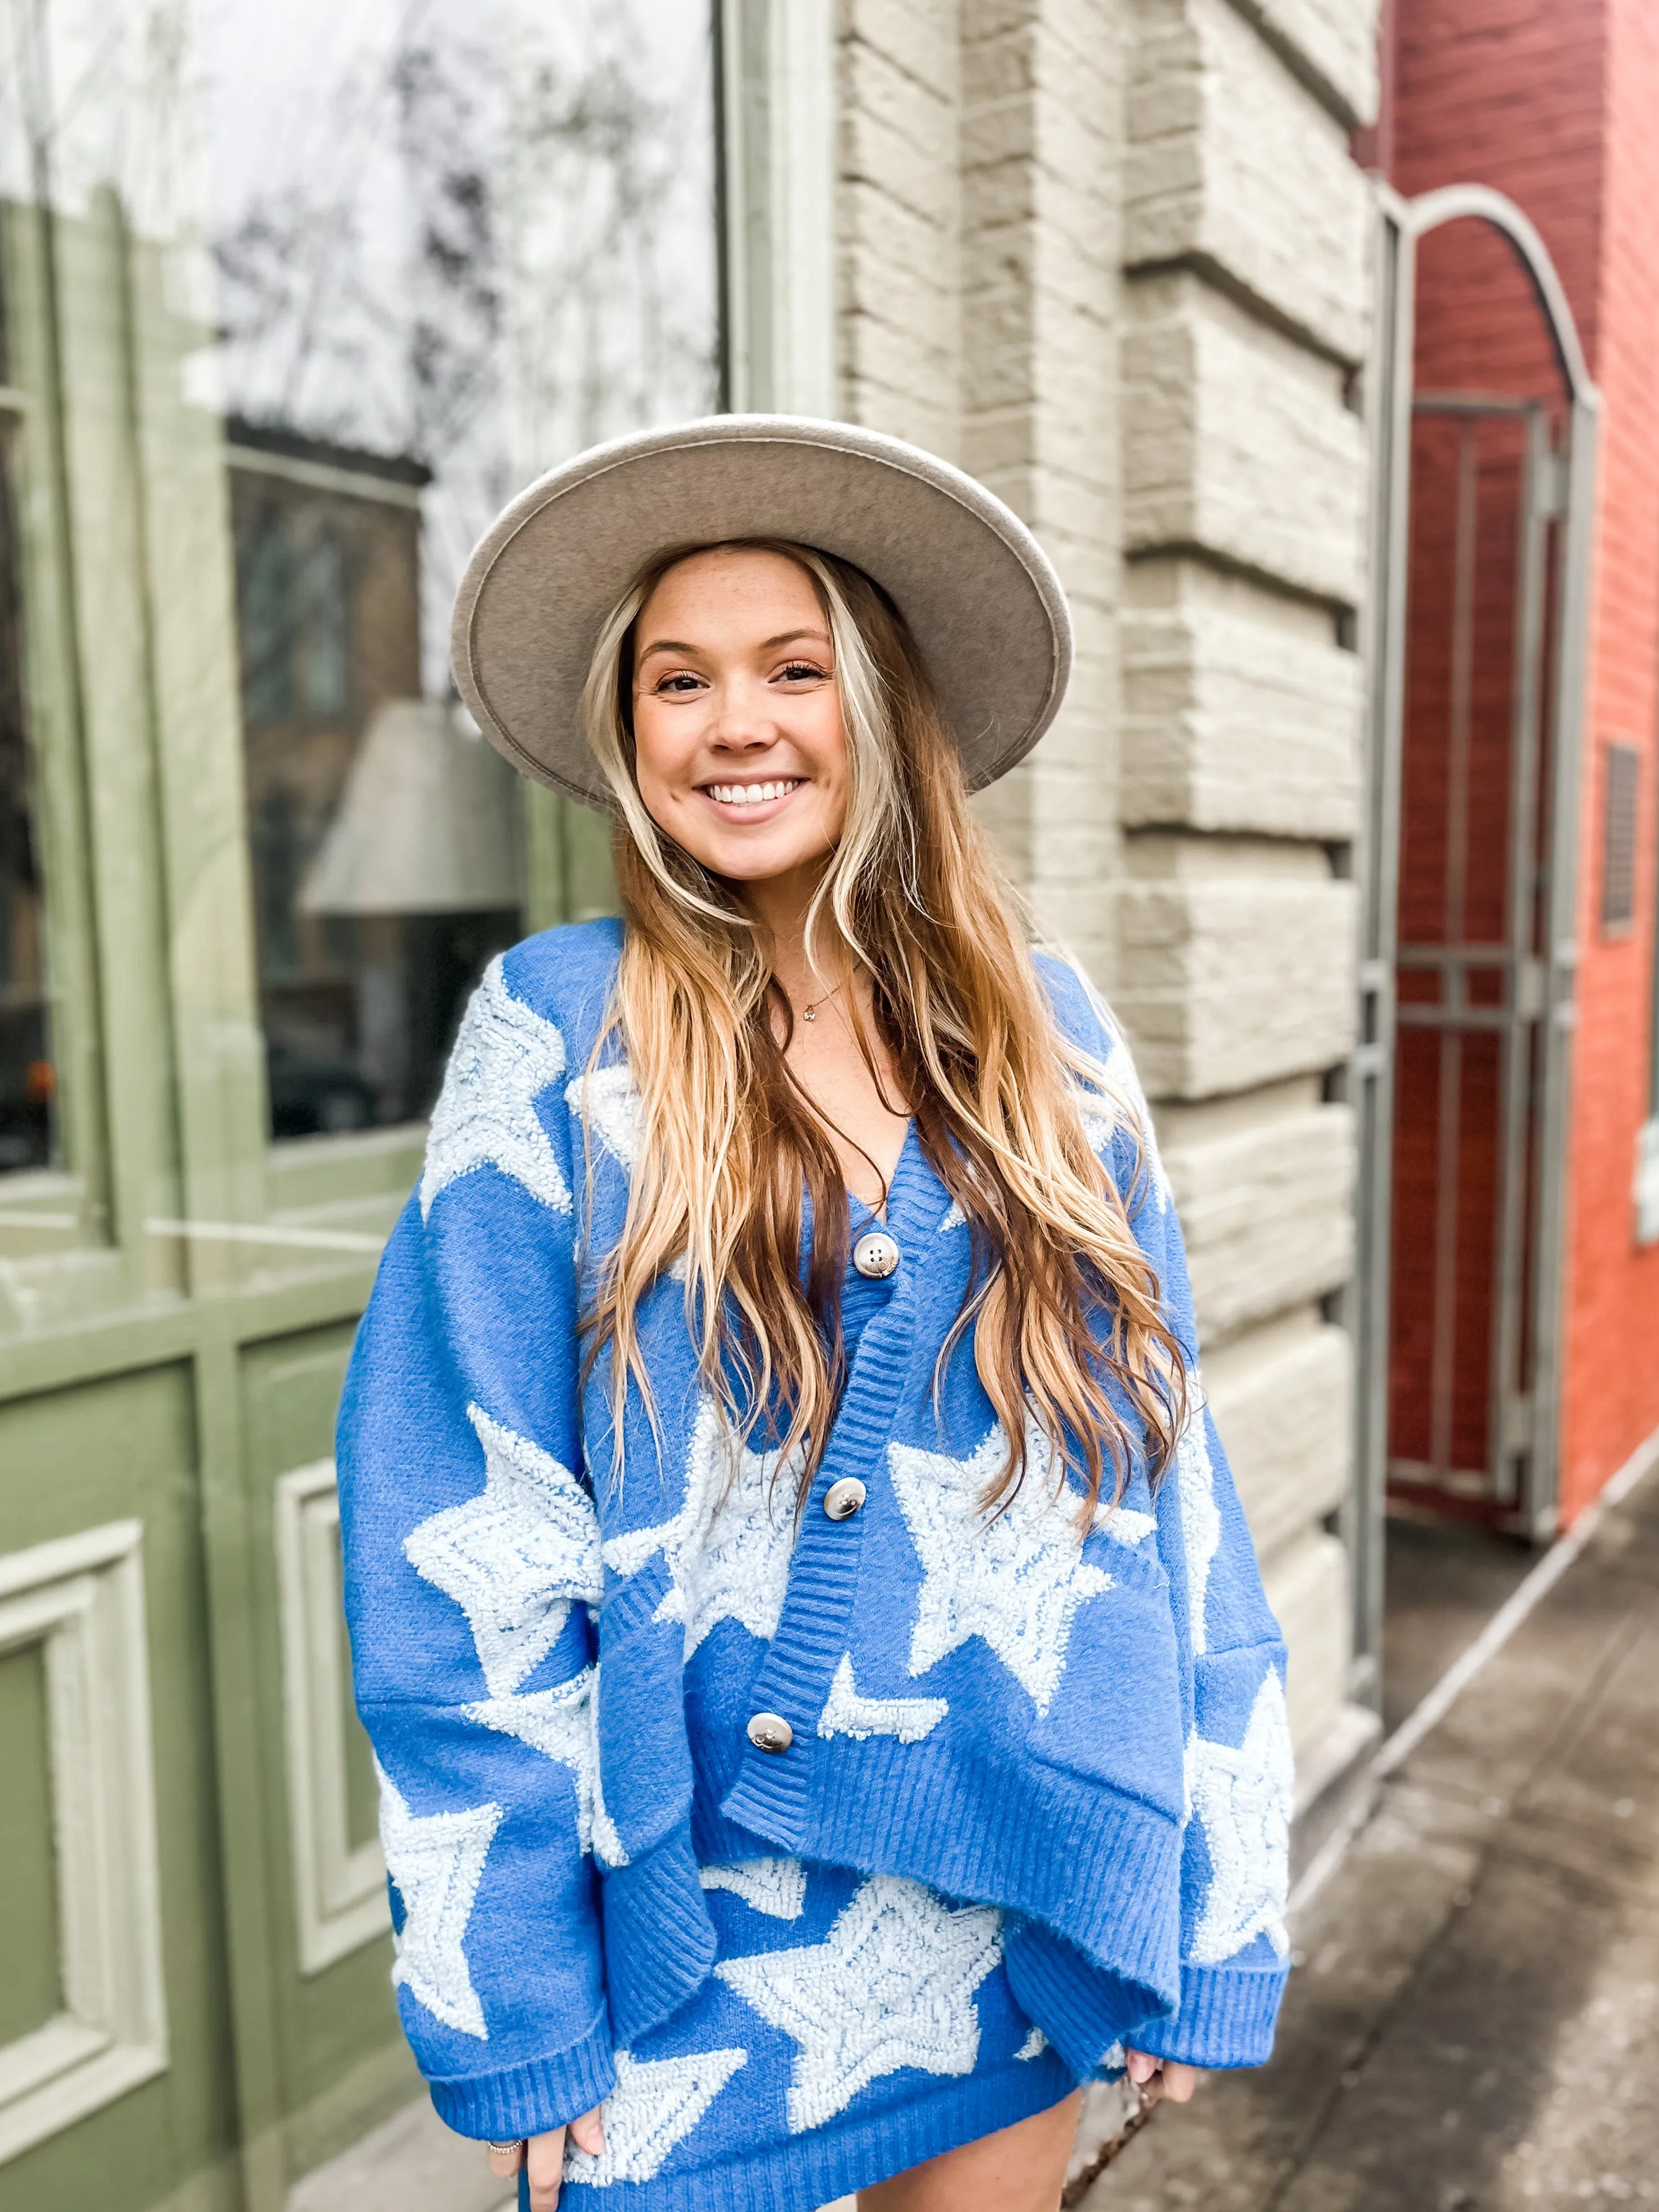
{"type": "Point", "coordinates": [770, 1732]}
{"type": "Point", "coordinates": [875, 1256]}
{"type": "Point", "coordinates": [843, 1499]}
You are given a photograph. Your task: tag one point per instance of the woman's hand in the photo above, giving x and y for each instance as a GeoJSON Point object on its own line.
{"type": "Point", "coordinates": [1158, 2078]}
{"type": "Point", "coordinates": [545, 2157]}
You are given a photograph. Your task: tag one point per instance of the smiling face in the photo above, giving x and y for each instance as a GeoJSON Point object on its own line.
{"type": "Point", "coordinates": [739, 752]}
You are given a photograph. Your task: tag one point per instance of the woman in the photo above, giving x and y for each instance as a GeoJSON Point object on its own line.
{"type": "Point", "coordinates": [826, 1706]}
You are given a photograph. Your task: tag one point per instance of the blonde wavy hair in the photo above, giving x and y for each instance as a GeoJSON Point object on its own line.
{"type": "Point", "coordinates": [1062, 1303]}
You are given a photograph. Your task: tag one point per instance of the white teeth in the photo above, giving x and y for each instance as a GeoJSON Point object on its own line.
{"type": "Point", "coordinates": [750, 794]}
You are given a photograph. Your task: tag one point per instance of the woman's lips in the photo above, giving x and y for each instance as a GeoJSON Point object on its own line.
{"type": "Point", "coordinates": [752, 801]}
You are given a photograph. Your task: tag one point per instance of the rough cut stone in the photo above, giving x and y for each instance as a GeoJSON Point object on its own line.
{"type": "Point", "coordinates": [1282, 1398]}
{"type": "Point", "coordinates": [1334, 42]}
{"type": "Point", "coordinates": [1307, 1590]}
{"type": "Point", "coordinates": [1265, 1188]}
{"type": "Point", "coordinates": [1238, 442]}
{"type": "Point", "coordinates": [1235, 966]}
{"type": "Point", "coordinates": [1241, 712]}
{"type": "Point", "coordinates": [1232, 161]}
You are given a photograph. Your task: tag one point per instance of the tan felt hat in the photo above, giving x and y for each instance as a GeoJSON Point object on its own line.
{"type": "Point", "coordinates": [980, 594]}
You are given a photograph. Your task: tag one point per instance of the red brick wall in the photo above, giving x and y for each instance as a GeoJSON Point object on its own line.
{"type": "Point", "coordinates": [1613, 1344]}
{"type": "Point", "coordinates": [1509, 93]}
{"type": "Point", "coordinates": [1553, 105]}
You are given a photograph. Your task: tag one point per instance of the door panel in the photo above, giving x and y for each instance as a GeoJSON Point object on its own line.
{"type": "Point", "coordinates": [110, 1830]}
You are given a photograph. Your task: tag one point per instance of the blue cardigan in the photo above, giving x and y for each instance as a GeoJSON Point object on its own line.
{"type": "Point", "coordinates": [556, 1667]}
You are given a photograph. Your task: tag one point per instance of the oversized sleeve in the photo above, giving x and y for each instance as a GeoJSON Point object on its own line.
{"type": "Point", "coordinates": [472, 1554]}
{"type": "Point", "coordinates": [1239, 1779]}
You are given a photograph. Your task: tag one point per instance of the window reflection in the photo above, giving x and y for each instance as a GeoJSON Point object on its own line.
{"type": "Point", "coordinates": [27, 1078]}
{"type": "Point", "coordinates": [453, 241]}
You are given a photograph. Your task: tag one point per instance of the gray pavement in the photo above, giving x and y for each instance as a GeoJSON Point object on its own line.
{"type": "Point", "coordinates": [1474, 2025]}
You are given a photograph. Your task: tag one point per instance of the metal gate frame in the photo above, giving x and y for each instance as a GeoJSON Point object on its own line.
{"type": "Point", "coordinates": [1401, 224]}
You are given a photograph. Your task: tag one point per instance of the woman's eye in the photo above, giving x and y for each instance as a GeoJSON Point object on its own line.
{"type": "Point", "coordinates": [681, 684]}
{"type": "Point", "coordinates": [799, 670]}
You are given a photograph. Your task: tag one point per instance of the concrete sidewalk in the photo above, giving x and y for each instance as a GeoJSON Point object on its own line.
{"type": "Point", "coordinates": [1475, 2023]}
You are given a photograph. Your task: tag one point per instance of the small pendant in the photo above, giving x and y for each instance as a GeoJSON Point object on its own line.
{"type": "Point", "coordinates": [809, 1014]}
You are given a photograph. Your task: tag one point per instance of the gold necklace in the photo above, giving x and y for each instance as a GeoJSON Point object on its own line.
{"type": "Point", "coordinates": [811, 1013]}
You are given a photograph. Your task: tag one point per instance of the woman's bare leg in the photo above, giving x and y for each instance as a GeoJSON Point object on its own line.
{"type": "Point", "coordinates": [1019, 2169]}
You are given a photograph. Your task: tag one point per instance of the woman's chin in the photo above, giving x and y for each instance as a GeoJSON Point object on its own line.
{"type": "Point", "coordinates": [753, 857]}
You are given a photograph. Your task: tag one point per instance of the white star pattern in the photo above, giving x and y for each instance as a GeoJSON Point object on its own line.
{"type": "Point", "coordinates": [514, 1557]}
{"type": "Point", "coordinates": [504, 1058]}
{"type": "Point", "coordinates": [560, 1724]}
{"type": "Point", "coordinates": [1124, 1525]}
{"type": "Point", "coordinates": [1034, 2045]}
{"type": "Point", "coordinates": [608, 1101]}
{"type": "Point", "coordinates": [777, 1887]}
{"type": "Point", "coordinates": [1016, 1578]}
{"type": "Point", "coordinates": [654, 2105]}
{"type": "Point", "coordinates": [437, 1861]}
{"type": "Point", "coordinates": [846, 1713]}
{"type": "Point", "coordinates": [1201, 1521]}
{"type": "Point", "coordinates": [954, 1218]}
{"type": "Point", "coordinates": [728, 1547]}
{"type": "Point", "coordinates": [892, 1985]}
{"type": "Point", "coordinates": [1245, 1798]}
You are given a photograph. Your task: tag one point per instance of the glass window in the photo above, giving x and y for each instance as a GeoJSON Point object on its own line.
{"type": "Point", "coordinates": [452, 242]}
{"type": "Point", "coordinates": [28, 1079]}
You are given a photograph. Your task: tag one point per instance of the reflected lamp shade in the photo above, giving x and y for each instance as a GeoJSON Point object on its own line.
{"type": "Point", "coordinates": [428, 822]}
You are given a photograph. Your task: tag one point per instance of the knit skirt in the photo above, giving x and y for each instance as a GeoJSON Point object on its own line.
{"type": "Point", "coordinates": [853, 2025]}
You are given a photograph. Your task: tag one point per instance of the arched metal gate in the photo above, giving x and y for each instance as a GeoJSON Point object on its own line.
{"type": "Point", "coordinates": [1473, 1001]}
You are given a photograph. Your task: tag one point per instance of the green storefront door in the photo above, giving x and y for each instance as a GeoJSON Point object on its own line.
{"type": "Point", "coordinates": [292, 299]}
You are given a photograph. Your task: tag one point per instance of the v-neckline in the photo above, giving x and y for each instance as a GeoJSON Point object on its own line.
{"type": "Point", "coordinates": [883, 1214]}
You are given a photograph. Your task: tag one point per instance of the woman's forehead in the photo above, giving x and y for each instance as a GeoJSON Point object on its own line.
{"type": "Point", "coordinates": [727, 581]}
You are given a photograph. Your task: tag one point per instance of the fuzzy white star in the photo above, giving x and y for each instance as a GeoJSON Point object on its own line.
{"type": "Point", "coordinates": [1245, 1798]}
{"type": "Point", "coordinates": [1015, 1577]}
{"type": "Point", "coordinates": [654, 2105]}
{"type": "Point", "coordinates": [514, 1556]}
{"type": "Point", "coordinates": [1124, 1525]}
{"type": "Point", "coordinates": [608, 1101]}
{"type": "Point", "coordinates": [1201, 1521]}
{"type": "Point", "coordinates": [504, 1057]}
{"type": "Point", "coordinates": [892, 1985]}
{"type": "Point", "coordinates": [728, 1547]}
{"type": "Point", "coordinates": [560, 1724]}
{"type": "Point", "coordinates": [846, 1713]}
{"type": "Point", "coordinates": [777, 1887]}
{"type": "Point", "coordinates": [437, 1861]}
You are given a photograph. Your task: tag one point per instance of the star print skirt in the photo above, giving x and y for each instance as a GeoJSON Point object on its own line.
{"type": "Point", "coordinates": [853, 2026]}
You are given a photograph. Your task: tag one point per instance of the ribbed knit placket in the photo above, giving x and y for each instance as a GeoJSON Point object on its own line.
{"type": "Point", "coordinates": [773, 1791]}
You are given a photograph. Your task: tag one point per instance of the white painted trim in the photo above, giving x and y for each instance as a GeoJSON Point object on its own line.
{"type": "Point", "coordinates": [778, 117]}
{"type": "Point", "coordinates": [1647, 1182]}
{"type": "Point", "coordinates": [322, 475]}
{"type": "Point", "coordinates": [267, 1232]}
{"type": "Point", "coordinates": [1428, 1715]}
{"type": "Point", "coordinates": [339, 1891]}
{"type": "Point", "coordinates": [81, 1599]}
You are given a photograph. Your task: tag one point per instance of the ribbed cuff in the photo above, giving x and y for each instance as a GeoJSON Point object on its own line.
{"type": "Point", "coordinates": [1226, 2018]}
{"type": "Point", "coordinates": [529, 2099]}
{"type": "Point", "coordinates": [1081, 2007]}
{"type": "Point", "coordinates": [658, 1940]}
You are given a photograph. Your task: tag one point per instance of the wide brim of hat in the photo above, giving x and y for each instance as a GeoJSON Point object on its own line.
{"type": "Point", "coordinates": [978, 593]}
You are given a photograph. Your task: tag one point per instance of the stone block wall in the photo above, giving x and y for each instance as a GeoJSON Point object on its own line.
{"type": "Point", "coordinates": [1111, 256]}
